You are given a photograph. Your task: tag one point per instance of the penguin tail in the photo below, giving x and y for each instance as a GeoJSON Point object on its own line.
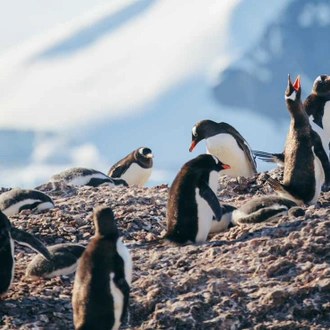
{"type": "Point", "coordinates": [269, 157]}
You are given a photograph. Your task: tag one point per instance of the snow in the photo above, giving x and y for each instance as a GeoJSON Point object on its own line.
{"type": "Point", "coordinates": [118, 62]}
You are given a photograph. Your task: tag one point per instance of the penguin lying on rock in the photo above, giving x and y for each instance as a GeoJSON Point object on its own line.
{"type": "Point", "coordinates": [63, 261]}
{"type": "Point", "coordinates": [86, 176]}
{"type": "Point", "coordinates": [9, 235]}
{"type": "Point", "coordinates": [256, 210]}
{"type": "Point", "coordinates": [15, 200]}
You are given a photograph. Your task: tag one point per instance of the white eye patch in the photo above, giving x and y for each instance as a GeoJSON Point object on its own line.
{"type": "Point", "coordinates": [318, 78]}
{"type": "Point", "coordinates": [194, 133]}
{"type": "Point", "coordinates": [292, 97]}
{"type": "Point", "coordinates": [215, 159]}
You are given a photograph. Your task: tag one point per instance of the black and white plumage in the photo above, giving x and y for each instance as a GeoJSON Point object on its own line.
{"type": "Point", "coordinates": [86, 176]}
{"type": "Point", "coordinates": [135, 168]}
{"type": "Point", "coordinates": [303, 170]}
{"type": "Point", "coordinates": [17, 199]}
{"type": "Point", "coordinates": [227, 144]}
{"type": "Point", "coordinates": [317, 104]}
{"type": "Point", "coordinates": [317, 107]}
{"type": "Point", "coordinates": [103, 277]}
{"type": "Point", "coordinates": [256, 210]}
{"type": "Point", "coordinates": [63, 261]}
{"type": "Point", "coordinates": [9, 235]}
{"type": "Point", "coordinates": [192, 201]}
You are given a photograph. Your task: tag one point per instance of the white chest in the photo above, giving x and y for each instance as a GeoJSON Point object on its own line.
{"type": "Point", "coordinates": [322, 134]}
{"type": "Point", "coordinates": [125, 255]}
{"type": "Point", "coordinates": [204, 211]}
{"type": "Point", "coordinates": [118, 302]}
{"type": "Point", "coordinates": [319, 178]}
{"type": "Point", "coordinates": [136, 175]}
{"type": "Point", "coordinates": [225, 147]}
{"type": "Point", "coordinates": [326, 119]}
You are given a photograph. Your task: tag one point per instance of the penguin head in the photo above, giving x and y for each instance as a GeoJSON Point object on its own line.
{"type": "Point", "coordinates": [145, 152]}
{"type": "Point", "coordinates": [104, 222]}
{"type": "Point", "coordinates": [219, 165]}
{"type": "Point", "coordinates": [209, 162]}
{"type": "Point", "coordinates": [202, 130]}
{"type": "Point", "coordinates": [293, 91]}
{"type": "Point", "coordinates": [321, 85]}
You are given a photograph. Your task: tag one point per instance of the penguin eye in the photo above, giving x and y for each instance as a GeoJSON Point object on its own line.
{"type": "Point", "coordinates": [194, 133]}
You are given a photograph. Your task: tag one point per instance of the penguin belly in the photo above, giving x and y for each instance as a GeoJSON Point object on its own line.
{"type": "Point", "coordinates": [15, 208]}
{"type": "Point", "coordinates": [322, 134]}
{"type": "Point", "coordinates": [326, 119]}
{"type": "Point", "coordinates": [82, 180]}
{"type": "Point", "coordinates": [319, 178]}
{"type": "Point", "coordinates": [225, 147]}
{"type": "Point", "coordinates": [125, 255]}
{"type": "Point", "coordinates": [222, 225]}
{"type": "Point", "coordinates": [136, 174]}
{"type": "Point", "coordinates": [118, 302]}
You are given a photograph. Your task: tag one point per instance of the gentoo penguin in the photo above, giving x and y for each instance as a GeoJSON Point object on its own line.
{"type": "Point", "coordinates": [227, 144]}
{"type": "Point", "coordinates": [63, 261]}
{"type": "Point", "coordinates": [317, 104]}
{"type": "Point", "coordinates": [135, 168]}
{"type": "Point", "coordinates": [303, 171]}
{"type": "Point", "coordinates": [85, 176]}
{"type": "Point", "coordinates": [103, 277]}
{"type": "Point", "coordinates": [192, 200]}
{"type": "Point", "coordinates": [17, 199]}
{"type": "Point", "coordinates": [256, 210]}
{"type": "Point", "coordinates": [9, 234]}
{"type": "Point", "coordinates": [314, 105]}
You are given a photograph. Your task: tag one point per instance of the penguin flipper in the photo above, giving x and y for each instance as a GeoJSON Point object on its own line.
{"type": "Point", "coordinates": [123, 286]}
{"type": "Point", "coordinates": [270, 157]}
{"type": "Point", "coordinates": [117, 171]}
{"type": "Point", "coordinates": [24, 238]}
{"type": "Point", "coordinates": [262, 215]}
{"type": "Point", "coordinates": [207, 193]}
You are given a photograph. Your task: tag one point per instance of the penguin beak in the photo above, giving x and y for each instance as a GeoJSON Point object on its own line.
{"type": "Point", "coordinates": [192, 145]}
{"type": "Point", "coordinates": [225, 166]}
{"type": "Point", "coordinates": [149, 156]}
{"type": "Point", "coordinates": [296, 84]}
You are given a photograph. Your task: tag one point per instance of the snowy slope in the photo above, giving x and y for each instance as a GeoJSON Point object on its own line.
{"type": "Point", "coordinates": [128, 74]}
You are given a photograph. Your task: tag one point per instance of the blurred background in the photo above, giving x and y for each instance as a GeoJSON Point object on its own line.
{"type": "Point", "coordinates": [85, 82]}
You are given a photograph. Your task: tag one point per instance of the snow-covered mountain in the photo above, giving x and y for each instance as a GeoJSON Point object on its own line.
{"type": "Point", "coordinates": [141, 73]}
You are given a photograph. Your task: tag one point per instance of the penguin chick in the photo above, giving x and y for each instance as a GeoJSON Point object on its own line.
{"type": "Point", "coordinates": [135, 168]}
{"type": "Point", "coordinates": [103, 277]}
{"type": "Point", "coordinates": [227, 144]}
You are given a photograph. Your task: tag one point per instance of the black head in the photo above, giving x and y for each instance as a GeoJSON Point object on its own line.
{"type": "Point", "coordinates": [202, 130]}
{"type": "Point", "coordinates": [321, 85]}
{"type": "Point", "coordinates": [145, 152]}
{"type": "Point", "coordinates": [104, 222]}
{"type": "Point", "coordinates": [209, 162]}
{"type": "Point", "coordinates": [293, 91]}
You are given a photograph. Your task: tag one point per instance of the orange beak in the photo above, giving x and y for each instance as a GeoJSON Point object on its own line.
{"type": "Point", "coordinates": [296, 84]}
{"type": "Point", "coordinates": [225, 166]}
{"type": "Point", "coordinates": [192, 145]}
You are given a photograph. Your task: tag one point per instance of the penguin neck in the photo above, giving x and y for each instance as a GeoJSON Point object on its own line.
{"type": "Point", "coordinates": [297, 113]}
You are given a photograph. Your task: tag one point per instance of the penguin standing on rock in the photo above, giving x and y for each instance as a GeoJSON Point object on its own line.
{"type": "Point", "coordinates": [227, 144]}
{"type": "Point", "coordinates": [135, 168]}
{"type": "Point", "coordinates": [103, 277]}
{"type": "Point", "coordinates": [192, 200]}
{"type": "Point", "coordinates": [303, 171]}
{"type": "Point", "coordinates": [15, 200]}
{"type": "Point", "coordinates": [85, 176]}
{"type": "Point", "coordinates": [9, 235]}
{"type": "Point", "coordinates": [63, 261]}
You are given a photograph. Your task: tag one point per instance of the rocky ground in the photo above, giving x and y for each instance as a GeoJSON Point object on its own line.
{"type": "Point", "coordinates": [273, 275]}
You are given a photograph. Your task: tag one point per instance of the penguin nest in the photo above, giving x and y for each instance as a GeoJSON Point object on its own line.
{"type": "Point", "coordinates": [273, 275]}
